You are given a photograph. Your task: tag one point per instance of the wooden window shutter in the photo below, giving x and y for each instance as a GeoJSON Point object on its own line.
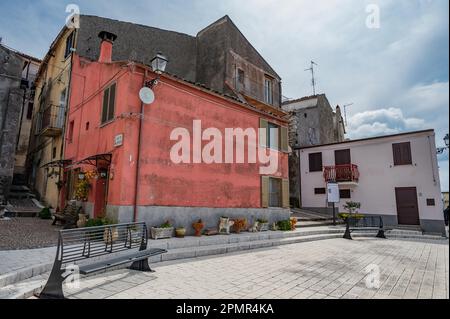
{"type": "Point", "coordinates": [402, 153]}
{"type": "Point", "coordinates": [285, 193]}
{"type": "Point", "coordinates": [112, 102]}
{"type": "Point", "coordinates": [265, 191]}
{"type": "Point", "coordinates": [315, 162]}
{"type": "Point", "coordinates": [264, 124]}
{"type": "Point", "coordinates": [105, 106]}
{"type": "Point", "coordinates": [284, 139]}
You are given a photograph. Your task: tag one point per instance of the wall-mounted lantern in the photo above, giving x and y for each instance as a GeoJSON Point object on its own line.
{"type": "Point", "coordinates": [159, 63]}
{"type": "Point", "coordinates": [81, 176]}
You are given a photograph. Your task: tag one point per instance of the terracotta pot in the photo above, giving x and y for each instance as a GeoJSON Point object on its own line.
{"type": "Point", "coordinates": [110, 238]}
{"type": "Point", "coordinates": [180, 232]}
{"type": "Point", "coordinates": [198, 227]}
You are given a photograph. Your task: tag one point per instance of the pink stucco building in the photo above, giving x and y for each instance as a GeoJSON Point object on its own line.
{"type": "Point", "coordinates": [131, 154]}
{"type": "Point", "coordinates": [394, 176]}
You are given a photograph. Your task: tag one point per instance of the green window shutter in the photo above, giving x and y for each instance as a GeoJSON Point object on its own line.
{"type": "Point", "coordinates": [263, 136]}
{"type": "Point", "coordinates": [265, 191]}
{"type": "Point", "coordinates": [284, 139]}
{"type": "Point", "coordinates": [285, 193]}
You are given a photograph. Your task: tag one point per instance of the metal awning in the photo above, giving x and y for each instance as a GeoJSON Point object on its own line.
{"type": "Point", "coordinates": [94, 160]}
{"type": "Point", "coordinates": [57, 164]}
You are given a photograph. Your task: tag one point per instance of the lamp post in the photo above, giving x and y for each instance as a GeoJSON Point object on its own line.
{"type": "Point", "coordinates": [441, 150]}
{"type": "Point", "coordinates": [159, 64]}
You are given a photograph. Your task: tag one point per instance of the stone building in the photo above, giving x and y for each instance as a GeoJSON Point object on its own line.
{"type": "Point", "coordinates": [11, 100]}
{"type": "Point", "coordinates": [312, 122]}
{"type": "Point", "coordinates": [219, 57]}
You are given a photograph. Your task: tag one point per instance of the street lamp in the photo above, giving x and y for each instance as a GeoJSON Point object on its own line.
{"type": "Point", "coordinates": [159, 64]}
{"type": "Point", "coordinates": [446, 140]}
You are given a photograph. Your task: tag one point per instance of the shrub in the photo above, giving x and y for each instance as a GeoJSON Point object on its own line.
{"type": "Point", "coordinates": [45, 213]}
{"type": "Point", "coordinates": [167, 224]}
{"type": "Point", "coordinates": [284, 225]}
{"type": "Point", "coordinates": [96, 222]}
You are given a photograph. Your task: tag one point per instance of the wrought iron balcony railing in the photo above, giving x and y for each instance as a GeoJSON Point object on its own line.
{"type": "Point", "coordinates": [341, 173]}
{"type": "Point", "coordinates": [52, 121]}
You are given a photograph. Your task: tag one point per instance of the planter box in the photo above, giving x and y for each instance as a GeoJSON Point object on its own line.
{"type": "Point", "coordinates": [161, 233]}
{"type": "Point", "coordinates": [263, 227]}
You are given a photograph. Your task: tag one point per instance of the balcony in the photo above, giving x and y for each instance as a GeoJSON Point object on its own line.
{"type": "Point", "coordinates": [52, 121]}
{"type": "Point", "coordinates": [342, 174]}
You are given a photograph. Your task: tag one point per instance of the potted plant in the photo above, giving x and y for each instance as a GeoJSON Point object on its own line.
{"type": "Point", "coordinates": [198, 227]}
{"type": "Point", "coordinates": [82, 220]}
{"type": "Point", "coordinates": [164, 231]}
{"type": "Point", "coordinates": [293, 223]}
{"type": "Point", "coordinates": [239, 225]}
{"type": "Point", "coordinates": [284, 225]}
{"type": "Point", "coordinates": [224, 225]}
{"type": "Point", "coordinates": [263, 225]}
{"type": "Point", "coordinates": [351, 207]}
{"type": "Point", "coordinates": [180, 232]}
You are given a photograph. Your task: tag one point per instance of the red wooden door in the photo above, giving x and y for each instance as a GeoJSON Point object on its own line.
{"type": "Point", "coordinates": [100, 197]}
{"type": "Point", "coordinates": [407, 206]}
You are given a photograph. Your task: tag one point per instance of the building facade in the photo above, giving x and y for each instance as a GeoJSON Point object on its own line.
{"type": "Point", "coordinates": [129, 155]}
{"type": "Point", "coordinates": [312, 121]}
{"type": "Point", "coordinates": [396, 177]}
{"type": "Point", "coordinates": [218, 57]}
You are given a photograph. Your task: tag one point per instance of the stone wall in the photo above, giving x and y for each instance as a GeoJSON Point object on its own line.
{"type": "Point", "coordinates": [11, 97]}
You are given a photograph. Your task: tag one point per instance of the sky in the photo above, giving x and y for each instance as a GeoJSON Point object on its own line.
{"type": "Point", "coordinates": [395, 76]}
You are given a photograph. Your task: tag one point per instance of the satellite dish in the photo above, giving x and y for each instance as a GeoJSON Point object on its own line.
{"type": "Point", "coordinates": [146, 95]}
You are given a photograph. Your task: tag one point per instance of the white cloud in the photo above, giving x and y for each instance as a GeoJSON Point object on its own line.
{"type": "Point", "coordinates": [382, 121]}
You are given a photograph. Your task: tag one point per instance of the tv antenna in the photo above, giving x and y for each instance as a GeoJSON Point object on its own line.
{"type": "Point", "coordinates": [313, 81]}
{"type": "Point", "coordinates": [345, 112]}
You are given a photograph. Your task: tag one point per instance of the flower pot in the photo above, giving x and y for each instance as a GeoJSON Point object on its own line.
{"type": "Point", "coordinates": [110, 235]}
{"type": "Point", "coordinates": [198, 227]}
{"type": "Point", "coordinates": [263, 227]}
{"type": "Point", "coordinates": [225, 225]}
{"type": "Point", "coordinates": [82, 220]}
{"type": "Point", "coordinates": [180, 232]}
{"type": "Point", "coordinates": [161, 233]}
{"type": "Point", "coordinates": [293, 224]}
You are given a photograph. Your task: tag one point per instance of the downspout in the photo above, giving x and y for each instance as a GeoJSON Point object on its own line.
{"type": "Point", "coordinates": [138, 156]}
{"type": "Point", "coordinates": [432, 160]}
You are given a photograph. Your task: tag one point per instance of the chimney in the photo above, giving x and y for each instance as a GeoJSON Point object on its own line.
{"type": "Point", "coordinates": [106, 46]}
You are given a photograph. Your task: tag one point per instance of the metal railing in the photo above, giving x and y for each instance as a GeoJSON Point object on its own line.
{"type": "Point", "coordinates": [52, 117]}
{"type": "Point", "coordinates": [341, 173]}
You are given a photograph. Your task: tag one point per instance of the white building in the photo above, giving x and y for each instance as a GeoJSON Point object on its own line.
{"type": "Point", "coordinates": [396, 177]}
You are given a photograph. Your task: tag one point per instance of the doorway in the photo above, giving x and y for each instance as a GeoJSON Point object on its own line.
{"type": "Point", "coordinates": [101, 193]}
{"type": "Point", "coordinates": [407, 206]}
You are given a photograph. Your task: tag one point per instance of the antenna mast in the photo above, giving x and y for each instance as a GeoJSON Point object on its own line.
{"type": "Point", "coordinates": [313, 81]}
{"type": "Point", "coordinates": [345, 112]}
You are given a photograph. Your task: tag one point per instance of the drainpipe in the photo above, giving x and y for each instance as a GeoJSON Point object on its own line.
{"type": "Point", "coordinates": [138, 156]}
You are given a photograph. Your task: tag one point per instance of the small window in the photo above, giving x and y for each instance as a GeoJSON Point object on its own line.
{"type": "Point", "coordinates": [402, 154]}
{"type": "Point", "coordinates": [54, 152]}
{"type": "Point", "coordinates": [306, 115]}
{"type": "Point", "coordinates": [320, 191]}
{"type": "Point", "coordinates": [315, 162]}
{"type": "Point", "coordinates": [241, 78]}
{"type": "Point", "coordinates": [431, 202]}
{"type": "Point", "coordinates": [345, 193]}
{"type": "Point", "coordinates": [273, 136]}
{"type": "Point", "coordinates": [30, 110]}
{"type": "Point", "coordinates": [109, 100]}
{"type": "Point", "coordinates": [71, 126]}
{"type": "Point", "coordinates": [268, 91]}
{"type": "Point", "coordinates": [275, 192]}
{"type": "Point", "coordinates": [69, 45]}
{"type": "Point", "coordinates": [87, 126]}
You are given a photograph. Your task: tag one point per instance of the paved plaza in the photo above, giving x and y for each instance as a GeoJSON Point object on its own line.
{"type": "Point", "coordinates": [333, 269]}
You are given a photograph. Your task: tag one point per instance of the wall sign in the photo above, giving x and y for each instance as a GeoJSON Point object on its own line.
{"type": "Point", "coordinates": [333, 193]}
{"type": "Point", "coordinates": [118, 140]}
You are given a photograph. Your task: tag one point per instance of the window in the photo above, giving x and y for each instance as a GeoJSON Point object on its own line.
{"type": "Point", "coordinates": [109, 100]}
{"type": "Point", "coordinates": [273, 136]}
{"type": "Point", "coordinates": [345, 193]}
{"type": "Point", "coordinates": [402, 154]}
{"type": "Point", "coordinates": [71, 126]}
{"type": "Point", "coordinates": [268, 91]}
{"type": "Point", "coordinates": [315, 162]}
{"type": "Point", "coordinates": [87, 126]}
{"type": "Point", "coordinates": [342, 157]}
{"type": "Point", "coordinates": [240, 79]}
{"type": "Point", "coordinates": [275, 192]}
{"type": "Point", "coordinates": [54, 152]}
{"type": "Point", "coordinates": [30, 110]}
{"type": "Point", "coordinates": [431, 202]}
{"type": "Point", "coordinates": [69, 45]}
{"type": "Point", "coordinates": [320, 191]}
